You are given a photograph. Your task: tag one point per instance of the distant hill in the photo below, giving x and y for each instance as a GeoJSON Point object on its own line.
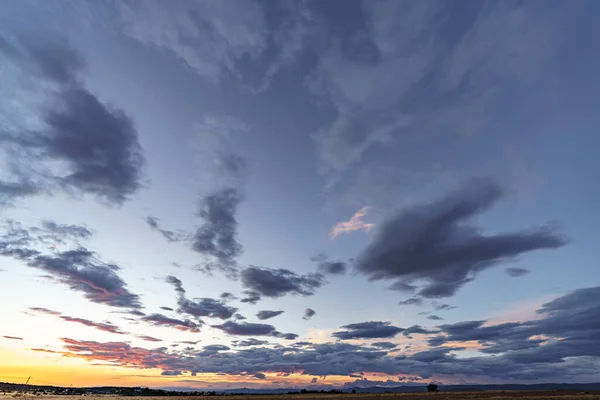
{"type": "Point", "coordinates": [171, 391]}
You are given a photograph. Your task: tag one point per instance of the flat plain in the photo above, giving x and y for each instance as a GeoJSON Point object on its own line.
{"type": "Point", "coordinates": [490, 395]}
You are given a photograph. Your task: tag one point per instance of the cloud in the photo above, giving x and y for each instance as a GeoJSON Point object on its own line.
{"type": "Point", "coordinates": [251, 342]}
{"type": "Point", "coordinates": [267, 314]}
{"type": "Point", "coordinates": [433, 244]}
{"type": "Point", "coordinates": [416, 301]}
{"type": "Point", "coordinates": [327, 267]}
{"type": "Point", "coordinates": [516, 272]}
{"type": "Point", "coordinates": [226, 296]}
{"type": "Point", "coordinates": [12, 337]}
{"type": "Point", "coordinates": [279, 282]}
{"type": "Point", "coordinates": [558, 346]}
{"type": "Point", "coordinates": [181, 325]}
{"type": "Point", "coordinates": [149, 338]}
{"type": "Point", "coordinates": [78, 268]}
{"type": "Point", "coordinates": [171, 373]}
{"type": "Point", "coordinates": [246, 329]}
{"type": "Point", "coordinates": [210, 39]}
{"type": "Point", "coordinates": [239, 317]}
{"type": "Point", "coordinates": [65, 230]}
{"type": "Point", "coordinates": [202, 307]}
{"type": "Point", "coordinates": [105, 327]}
{"type": "Point", "coordinates": [309, 313]}
{"type": "Point", "coordinates": [166, 308]}
{"type": "Point", "coordinates": [82, 271]}
{"type": "Point", "coordinates": [44, 311]}
{"type": "Point", "coordinates": [96, 144]}
{"type": "Point", "coordinates": [443, 306]}
{"type": "Point", "coordinates": [252, 297]}
{"type": "Point", "coordinates": [171, 236]}
{"type": "Point", "coordinates": [260, 375]}
{"type": "Point", "coordinates": [435, 318]}
{"type": "Point", "coordinates": [217, 237]}
{"type": "Point", "coordinates": [384, 345]}
{"type": "Point", "coordinates": [355, 223]}
{"type": "Point", "coordinates": [368, 330]}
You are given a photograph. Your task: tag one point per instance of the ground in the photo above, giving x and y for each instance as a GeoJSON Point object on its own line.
{"type": "Point", "coordinates": [492, 395]}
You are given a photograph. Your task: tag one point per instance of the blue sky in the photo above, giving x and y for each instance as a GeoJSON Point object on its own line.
{"type": "Point", "coordinates": [221, 143]}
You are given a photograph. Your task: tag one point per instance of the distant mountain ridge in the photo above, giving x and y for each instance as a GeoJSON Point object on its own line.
{"type": "Point", "coordinates": [588, 387]}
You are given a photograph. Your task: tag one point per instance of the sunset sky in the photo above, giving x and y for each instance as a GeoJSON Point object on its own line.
{"type": "Point", "coordinates": [222, 194]}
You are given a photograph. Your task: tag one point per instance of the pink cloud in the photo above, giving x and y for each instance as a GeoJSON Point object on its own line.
{"type": "Point", "coordinates": [355, 223]}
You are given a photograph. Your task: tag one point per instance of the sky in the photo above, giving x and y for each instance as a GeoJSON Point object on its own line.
{"type": "Point", "coordinates": [281, 194]}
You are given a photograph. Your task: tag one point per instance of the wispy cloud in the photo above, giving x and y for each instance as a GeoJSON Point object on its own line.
{"type": "Point", "coordinates": [12, 337]}
{"type": "Point", "coordinates": [355, 223]}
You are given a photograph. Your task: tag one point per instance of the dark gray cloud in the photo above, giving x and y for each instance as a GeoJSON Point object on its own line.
{"type": "Point", "coordinates": [384, 345]}
{"type": "Point", "coordinates": [239, 317]}
{"type": "Point", "coordinates": [279, 282]}
{"type": "Point", "coordinates": [260, 375]}
{"type": "Point", "coordinates": [416, 301]}
{"type": "Point", "coordinates": [435, 318]}
{"type": "Point", "coordinates": [206, 307]}
{"type": "Point", "coordinates": [98, 144]}
{"type": "Point", "coordinates": [166, 308]}
{"type": "Point", "coordinates": [217, 237]}
{"type": "Point", "coordinates": [226, 296]}
{"type": "Point", "coordinates": [308, 313]}
{"type": "Point", "coordinates": [170, 236]}
{"type": "Point", "coordinates": [252, 297]}
{"type": "Point", "coordinates": [332, 267]}
{"type": "Point", "coordinates": [171, 373]}
{"type": "Point", "coordinates": [251, 342]}
{"type": "Point", "coordinates": [433, 244]}
{"type": "Point", "coordinates": [162, 320]}
{"type": "Point", "coordinates": [516, 272]}
{"type": "Point", "coordinates": [267, 314]}
{"type": "Point", "coordinates": [11, 191]}
{"type": "Point", "coordinates": [202, 307]}
{"type": "Point", "coordinates": [368, 330]}
{"type": "Point", "coordinates": [149, 338]}
{"type": "Point", "coordinates": [286, 336]}
{"type": "Point", "coordinates": [65, 230]}
{"type": "Point", "coordinates": [246, 329]}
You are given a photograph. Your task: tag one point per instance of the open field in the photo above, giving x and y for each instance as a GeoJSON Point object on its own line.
{"type": "Point", "coordinates": [491, 395]}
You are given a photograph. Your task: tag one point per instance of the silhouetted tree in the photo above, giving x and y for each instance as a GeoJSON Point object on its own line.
{"type": "Point", "coordinates": [432, 387]}
{"type": "Point", "coordinates": [353, 391]}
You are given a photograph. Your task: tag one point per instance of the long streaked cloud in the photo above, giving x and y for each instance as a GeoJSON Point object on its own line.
{"type": "Point", "coordinates": [434, 246]}
{"type": "Point", "coordinates": [355, 223]}
{"type": "Point", "coordinates": [12, 337]}
{"type": "Point", "coordinates": [179, 324]}
{"type": "Point", "coordinates": [80, 269]}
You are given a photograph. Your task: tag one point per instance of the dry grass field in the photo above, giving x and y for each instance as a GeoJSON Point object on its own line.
{"type": "Point", "coordinates": [492, 395]}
